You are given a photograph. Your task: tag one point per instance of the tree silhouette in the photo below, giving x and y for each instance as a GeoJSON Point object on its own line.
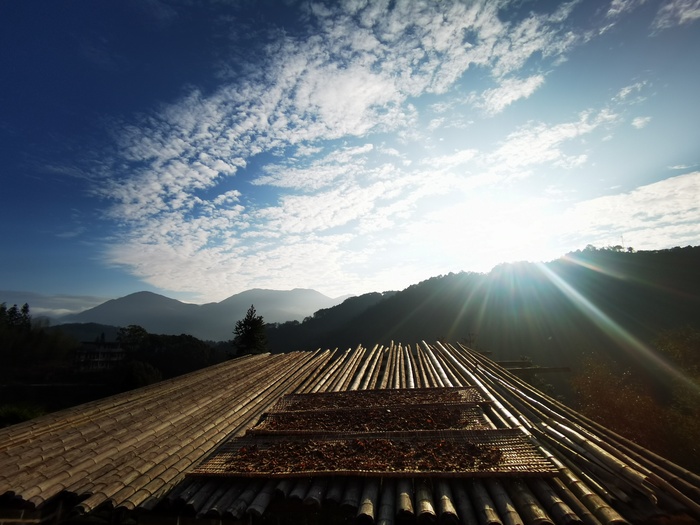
{"type": "Point", "coordinates": [249, 334]}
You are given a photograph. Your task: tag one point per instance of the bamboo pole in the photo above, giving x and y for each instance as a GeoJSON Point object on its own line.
{"type": "Point", "coordinates": [447, 513]}
{"type": "Point", "coordinates": [238, 507]}
{"type": "Point", "coordinates": [384, 382]}
{"type": "Point", "coordinates": [686, 481]}
{"type": "Point", "coordinates": [572, 501]}
{"type": "Point", "coordinates": [527, 504]}
{"type": "Point", "coordinates": [387, 503]}
{"type": "Point", "coordinates": [484, 505]}
{"type": "Point", "coordinates": [351, 496]}
{"type": "Point", "coordinates": [336, 489]}
{"type": "Point", "coordinates": [465, 509]}
{"type": "Point", "coordinates": [375, 356]}
{"type": "Point", "coordinates": [441, 377]}
{"type": "Point", "coordinates": [359, 376]}
{"type": "Point", "coordinates": [561, 513]}
{"type": "Point", "coordinates": [388, 380]}
{"type": "Point", "coordinates": [402, 366]}
{"type": "Point", "coordinates": [301, 489]}
{"type": "Point", "coordinates": [284, 487]}
{"type": "Point", "coordinates": [636, 478]}
{"type": "Point", "coordinates": [450, 371]}
{"type": "Point", "coordinates": [314, 497]}
{"type": "Point", "coordinates": [329, 374]}
{"type": "Point", "coordinates": [410, 381]}
{"type": "Point", "coordinates": [230, 495]}
{"type": "Point", "coordinates": [658, 471]}
{"type": "Point", "coordinates": [323, 360]}
{"type": "Point", "coordinates": [413, 357]}
{"type": "Point", "coordinates": [368, 501]}
{"type": "Point", "coordinates": [358, 355]}
{"type": "Point", "coordinates": [339, 377]}
{"type": "Point", "coordinates": [404, 498]}
{"type": "Point", "coordinates": [198, 499]}
{"type": "Point", "coordinates": [598, 507]}
{"type": "Point", "coordinates": [425, 509]}
{"type": "Point", "coordinates": [505, 506]}
{"type": "Point", "coordinates": [378, 368]}
{"type": "Point", "coordinates": [396, 369]}
{"type": "Point", "coordinates": [157, 479]}
{"type": "Point", "coordinates": [426, 370]}
{"type": "Point", "coordinates": [262, 500]}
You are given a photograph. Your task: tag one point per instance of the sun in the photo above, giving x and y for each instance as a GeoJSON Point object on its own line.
{"type": "Point", "coordinates": [480, 233]}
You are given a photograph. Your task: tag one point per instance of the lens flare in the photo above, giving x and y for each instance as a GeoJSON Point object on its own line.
{"type": "Point", "coordinates": [616, 332]}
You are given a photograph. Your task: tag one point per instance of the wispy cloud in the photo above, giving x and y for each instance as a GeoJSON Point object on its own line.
{"type": "Point", "coordinates": [631, 93]}
{"type": "Point", "coordinates": [640, 122]}
{"type": "Point", "coordinates": [540, 143]}
{"type": "Point", "coordinates": [621, 7]}
{"type": "Point", "coordinates": [662, 214]}
{"type": "Point", "coordinates": [510, 90]}
{"type": "Point", "coordinates": [675, 13]}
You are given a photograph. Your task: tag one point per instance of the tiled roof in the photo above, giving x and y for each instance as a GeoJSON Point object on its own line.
{"type": "Point", "coordinates": [138, 451]}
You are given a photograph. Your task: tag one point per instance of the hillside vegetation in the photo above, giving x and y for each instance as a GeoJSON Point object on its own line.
{"type": "Point", "coordinates": [605, 299]}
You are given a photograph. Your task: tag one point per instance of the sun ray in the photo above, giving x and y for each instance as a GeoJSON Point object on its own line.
{"type": "Point", "coordinates": [616, 332]}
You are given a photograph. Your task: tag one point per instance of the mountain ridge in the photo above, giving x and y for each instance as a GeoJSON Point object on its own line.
{"type": "Point", "coordinates": [603, 300]}
{"type": "Point", "coordinates": [210, 321]}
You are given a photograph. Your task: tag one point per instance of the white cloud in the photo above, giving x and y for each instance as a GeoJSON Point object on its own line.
{"type": "Point", "coordinates": [640, 122]}
{"type": "Point", "coordinates": [620, 7]}
{"type": "Point", "coordinates": [453, 160]}
{"type": "Point", "coordinates": [676, 12]}
{"type": "Point", "coordinates": [541, 143]}
{"type": "Point", "coordinates": [659, 215]}
{"type": "Point", "coordinates": [626, 93]}
{"type": "Point", "coordinates": [509, 90]}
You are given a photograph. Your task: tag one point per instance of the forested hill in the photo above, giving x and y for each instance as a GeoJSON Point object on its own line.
{"type": "Point", "coordinates": [593, 299]}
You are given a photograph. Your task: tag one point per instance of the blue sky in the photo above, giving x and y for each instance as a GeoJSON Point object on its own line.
{"type": "Point", "coordinates": [199, 149]}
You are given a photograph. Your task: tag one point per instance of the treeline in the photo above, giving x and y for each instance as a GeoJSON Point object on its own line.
{"type": "Point", "coordinates": [150, 358]}
{"type": "Point", "coordinates": [28, 352]}
{"type": "Point", "coordinates": [39, 372]}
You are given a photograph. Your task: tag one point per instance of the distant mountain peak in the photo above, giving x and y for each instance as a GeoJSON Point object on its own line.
{"type": "Point", "coordinates": [159, 314]}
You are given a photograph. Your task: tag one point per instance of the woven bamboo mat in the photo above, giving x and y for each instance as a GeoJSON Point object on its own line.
{"type": "Point", "coordinates": [374, 419]}
{"type": "Point", "coordinates": [503, 452]}
{"type": "Point", "coordinates": [379, 398]}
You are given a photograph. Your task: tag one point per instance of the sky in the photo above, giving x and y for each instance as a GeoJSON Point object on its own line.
{"type": "Point", "coordinates": [198, 149]}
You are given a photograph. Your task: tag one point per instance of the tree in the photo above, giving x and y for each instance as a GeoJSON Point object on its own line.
{"type": "Point", "coordinates": [16, 318]}
{"type": "Point", "coordinates": [137, 374]}
{"type": "Point", "coordinates": [133, 338]}
{"type": "Point", "coordinates": [249, 334]}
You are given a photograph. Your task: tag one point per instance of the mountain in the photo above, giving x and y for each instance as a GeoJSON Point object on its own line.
{"type": "Point", "coordinates": [607, 301]}
{"type": "Point", "coordinates": [212, 321]}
